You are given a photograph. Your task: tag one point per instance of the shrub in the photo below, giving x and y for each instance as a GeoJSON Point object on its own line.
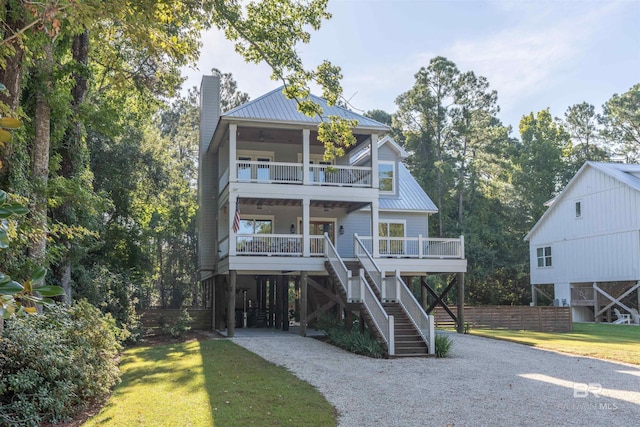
{"type": "Point", "coordinates": [55, 364]}
{"type": "Point", "coordinates": [354, 341]}
{"type": "Point", "coordinates": [180, 326]}
{"type": "Point", "coordinates": [443, 345]}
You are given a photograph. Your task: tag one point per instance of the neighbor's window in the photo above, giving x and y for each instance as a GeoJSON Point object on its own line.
{"type": "Point", "coordinates": [578, 210]}
{"type": "Point", "coordinates": [544, 256]}
{"type": "Point", "coordinates": [386, 172]}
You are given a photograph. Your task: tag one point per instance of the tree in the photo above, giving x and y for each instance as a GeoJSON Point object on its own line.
{"type": "Point", "coordinates": [541, 163]}
{"type": "Point", "coordinates": [621, 118]}
{"type": "Point", "coordinates": [583, 125]}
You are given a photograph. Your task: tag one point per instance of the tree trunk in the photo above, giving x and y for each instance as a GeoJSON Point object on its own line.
{"type": "Point", "coordinates": [40, 150]}
{"type": "Point", "coordinates": [73, 152]}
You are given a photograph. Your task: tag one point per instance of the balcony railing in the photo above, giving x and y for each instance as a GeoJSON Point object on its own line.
{"type": "Point", "coordinates": [353, 176]}
{"type": "Point", "coordinates": [292, 173]}
{"type": "Point", "coordinates": [417, 247]}
{"type": "Point", "coordinates": [269, 244]}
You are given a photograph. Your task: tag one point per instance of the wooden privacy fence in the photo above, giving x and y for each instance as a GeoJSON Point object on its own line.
{"type": "Point", "coordinates": [152, 318]}
{"type": "Point", "coordinates": [540, 319]}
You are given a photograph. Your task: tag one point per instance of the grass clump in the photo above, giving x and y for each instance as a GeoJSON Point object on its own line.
{"type": "Point", "coordinates": [355, 341]}
{"type": "Point", "coordinates": [443, 344]}
{"type": "Point", "coordinates": [206, 383]}
{"type": "Point", "coordinates": [604, 341]}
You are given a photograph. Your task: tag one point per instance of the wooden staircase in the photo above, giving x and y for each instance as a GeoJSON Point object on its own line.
{"type": "Point", "coordinates": [408, 341]}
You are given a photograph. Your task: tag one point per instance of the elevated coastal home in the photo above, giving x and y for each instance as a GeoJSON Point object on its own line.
{"type": "Point", "coordinates": [284, 233]}
{"type": "Point", "coordinates": [587, 244]}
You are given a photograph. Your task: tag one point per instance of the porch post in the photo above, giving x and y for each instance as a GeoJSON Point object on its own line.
{"type": "Point", "coordinates": [233, 131]}
{"type": "Point", "coordinates": [306, 239]}
{"type": "Point", "coordinates": [375, 181]}
{"type": "Point", "coordinates": [375, 238]}
{"type": "Point", "coordinates": [460, 303]}
{"type": "Point", "coordinates": [233, 202]}
{"type": "Point", "coordinates": [596, 304]}
{"type": "Point", "coordinates": [231, 305]}
{"type": "Point", "coordinates": [305, 156]}
{"type": "Point", "coordinates": [534, 295]}
{"type": "Point", "coordinates": [303, 303]}
{"type": "Point", "coordinates": [284, 283]}
{"type": "Point", "coordinates": [219, 301]}
{"type": "Point", "coordinates": [424, 300]}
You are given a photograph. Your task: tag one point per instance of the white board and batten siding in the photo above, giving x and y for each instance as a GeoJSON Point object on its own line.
{"type": "Point", "coordinates": [601, 244]}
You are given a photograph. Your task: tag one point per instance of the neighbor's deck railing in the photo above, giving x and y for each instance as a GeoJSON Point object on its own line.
{"type": "Point", "coordinates": [417, 247]}
{"type": "Point", "coordinates": [269, 244]}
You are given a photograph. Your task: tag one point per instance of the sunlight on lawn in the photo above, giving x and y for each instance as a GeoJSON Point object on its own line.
{"type": "Point", "coordinates": [197, 383]}
{"type": "Point", "coordinates": [612, 342]}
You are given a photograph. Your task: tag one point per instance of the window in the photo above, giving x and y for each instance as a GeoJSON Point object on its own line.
{"type": "Point", "coordinates": [391, 237]}
{"type": "Point", "coordinates": [544, 256]}
{"type": "Point", "coordinates": [248, 170]}
{"type": "Point", "coordinates": [255, 226]}
{"type": "Point", "coordinates": [578, 210]}
{"type": "Point", "coordinates": [386, 172]}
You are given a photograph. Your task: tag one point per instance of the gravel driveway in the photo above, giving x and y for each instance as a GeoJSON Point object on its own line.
{"type": "Point", "coordinates": [484, 382]}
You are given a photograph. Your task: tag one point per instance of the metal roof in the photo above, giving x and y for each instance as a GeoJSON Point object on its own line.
{"type": "Point", "coordinates": [274, 106]}
{"type": "Point", "coordinates": [625, 173]}
{"type": "Point", "coordinates": [411, 197]}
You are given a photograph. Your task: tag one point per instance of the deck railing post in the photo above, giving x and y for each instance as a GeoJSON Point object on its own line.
{"type": "Point", "coordinates": [420, 246]}
{"type": "Point", "coordinates": [349, 287]}
{"type": "Point", "coordinates": [461, 247]}
{"type": "Point", "coordinates": [392, 338]}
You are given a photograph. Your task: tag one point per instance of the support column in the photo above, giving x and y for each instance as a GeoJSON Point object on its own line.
{"type": "Point", "coordinates": [231, 305]}
{"type": "Point", "coordinates": [233, 205]}
{"type": "Point", "coordinates": [212, 302]}
{"type": "Point", "coordinates": [534, 295]}
{"type": "Point", "coordinates": [596, 305]}
{"type": "Point", "coordinates": [306, 229]}
{"type": "Point", "coordinates": [233, 132]}
{"type": "Point", "coordinates": [375, 229]}
{"type": "Point", "coordinates": [220, 301]}
{"type": "Point", "coordinates": [285, 302]}
{"type": "Point", "coordinates": [303, 303]}
{"type": "Point", "coordinates": [305, 156]}
{"type": "Point", "coordinates": [424, 300]}
{"type": "Point", "coordinates": [272, 305]}
{"type": "Point", "coordinates": [460, 303]}
{"type": "Point", "coordinates": [375, 180]}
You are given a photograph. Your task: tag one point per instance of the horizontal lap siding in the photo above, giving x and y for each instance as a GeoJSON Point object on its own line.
{"type": "Point", "coordinates": [540, 319]}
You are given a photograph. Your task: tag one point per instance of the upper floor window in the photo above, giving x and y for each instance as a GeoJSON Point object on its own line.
{"type": "Point", "coordinates": [386, 175]}
{"type": "Point", "coordinates": [544, 256]}
{"type": "Point", "coordinates": [578, 210]}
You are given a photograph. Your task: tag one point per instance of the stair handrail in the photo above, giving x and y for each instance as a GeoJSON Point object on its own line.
{"type": "Point", "coordinates": [420, 319]}
{"type": "Point", "coordinates": [370, 266]}
{"type": "Point", "coordinates": [381, 320]}
{"type": "Point", "coordinates": [344, 274]}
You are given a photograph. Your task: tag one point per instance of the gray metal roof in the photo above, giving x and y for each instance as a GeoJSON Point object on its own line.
{"type": "Point", "coordinates": [274, 106]}
{"type": "Point", "coordinates": [411, 197]}
{"type": "Point", "coordinates": [625, 173]}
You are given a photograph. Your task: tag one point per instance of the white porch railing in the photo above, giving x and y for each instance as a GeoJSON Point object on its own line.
{"type": "Point", "coordinates": [353, 176]}
{"type": "Point", "coordinates": [357, 290]}
{"type": "Point", "coordinates": [269, 172]}
{"type": "Point", "coordinates": [417, 247]}
{"type": "Point", "coordinates": [383, 322]}
{"type": "Point", "coordinates": [317, 245]}
{"type": "Point", "coordinates": [420, 319]}
{"type": "Point", "coordinates": [269, 244]}
{"type": "Point", "coordinates": [369, 265]}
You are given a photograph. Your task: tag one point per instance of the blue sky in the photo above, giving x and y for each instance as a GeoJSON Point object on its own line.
{"type": "Point", "coordinates": [536, 54]}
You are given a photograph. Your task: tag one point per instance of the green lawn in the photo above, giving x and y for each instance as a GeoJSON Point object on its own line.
{"type": "Point", "coordinates": [614, 342]}
{"type": "Point", "coordinates": [208, 383]}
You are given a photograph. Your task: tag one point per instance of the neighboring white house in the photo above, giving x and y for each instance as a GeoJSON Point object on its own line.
{"type": "Point", "coordinates": [587, 243]}
{"type": "Point", "coordinates": [276, 219]}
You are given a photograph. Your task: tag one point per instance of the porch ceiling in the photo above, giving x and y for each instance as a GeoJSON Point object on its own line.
{"type": "Point", "coordinates": [326, 204]}
{"type": "Point", "coordinates": [286, 136]}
